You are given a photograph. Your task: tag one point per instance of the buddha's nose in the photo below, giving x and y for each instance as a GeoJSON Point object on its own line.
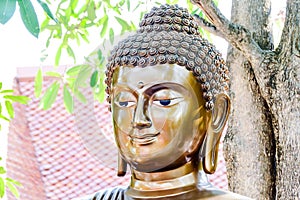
{"type": "Point", "coordinates": [141, 119]}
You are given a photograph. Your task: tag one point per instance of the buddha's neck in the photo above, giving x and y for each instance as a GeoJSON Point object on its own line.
{"type": "Point", "coordinates": [163, 184]}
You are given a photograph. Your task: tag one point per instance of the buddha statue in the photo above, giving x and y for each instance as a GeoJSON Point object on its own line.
{"type": "Point", "coordinates": [166, 87]}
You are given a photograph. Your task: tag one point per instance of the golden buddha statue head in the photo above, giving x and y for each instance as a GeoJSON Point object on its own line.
{"type": "Point", "coordinates": [166, 87]}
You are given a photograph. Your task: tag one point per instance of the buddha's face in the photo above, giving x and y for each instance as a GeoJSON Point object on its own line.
{"type": "Point", "coordinates": [159, 116]}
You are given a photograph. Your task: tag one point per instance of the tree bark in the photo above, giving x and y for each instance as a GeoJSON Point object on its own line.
{"type": "Point", "coordinates": [249, 143]}
{"type": "Point", "coordinates": [262, 144]}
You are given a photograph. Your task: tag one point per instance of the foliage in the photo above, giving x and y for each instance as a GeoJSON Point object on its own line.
{"type": "Point", "coordinates": [27, 12]}
{"type": "Point", "coordinates": [71, 24]}
{"type": "Point", "coordinates": [76, 20]}
{"type": "Point", "coordinates": [6, 114]}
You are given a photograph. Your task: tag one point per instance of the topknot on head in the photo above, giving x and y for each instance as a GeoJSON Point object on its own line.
{"type": "Point", "coordinates": [169, 34]}
{"type": "Point", "coordinates": [169, 18]}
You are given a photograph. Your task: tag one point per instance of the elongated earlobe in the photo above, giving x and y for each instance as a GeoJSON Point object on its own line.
{"type": "Point", "coordinates": [211, 159]}
{"type": "Point", "coordinates": [220, 115]}
{"type": "Point", "coordinates": [122, 166]}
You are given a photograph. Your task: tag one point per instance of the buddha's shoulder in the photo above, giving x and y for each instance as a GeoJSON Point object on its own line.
{"type": "Point", "coordinates": [216, 194]}
{"type": "Point", "coordinates": [116, 193]}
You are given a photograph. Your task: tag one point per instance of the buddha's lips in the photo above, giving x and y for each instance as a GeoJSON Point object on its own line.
{"type": "Point", "coordinates": [144, 139]}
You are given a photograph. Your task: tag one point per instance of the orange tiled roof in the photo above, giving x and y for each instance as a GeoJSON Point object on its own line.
{"type": "Point", "coordinates": [52, 161]}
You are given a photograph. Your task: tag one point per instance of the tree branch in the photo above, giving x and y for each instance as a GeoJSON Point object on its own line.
{"type": "Point", "coordinates": [238, 36]}
{"type": "Point", "coordinates": [290, 38]}
{"type": "Point", "coordinates": [207, 26]}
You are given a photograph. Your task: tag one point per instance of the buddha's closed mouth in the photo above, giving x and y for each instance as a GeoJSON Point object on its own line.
{"type": "Point", "coordinates": [145, 139]}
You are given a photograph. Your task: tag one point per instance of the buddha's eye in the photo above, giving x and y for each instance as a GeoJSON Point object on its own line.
{"type": "Point", "coordinates": [166, 102]}
{"type": "Point", "coordinates": [166, 98]}
{"type": "Point", "coordinates": [125, 103]}
{"type": "Point", "coordinates": [124, 99]}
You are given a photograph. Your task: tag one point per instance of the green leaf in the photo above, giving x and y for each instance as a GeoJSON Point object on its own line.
{"type": "Point", "coordinates": [2, 187]}
{"type": "Point", "coordinates": [123, 23]}
{"type": "Point", "coordinates": [0, 85]}
{"type": "Point", "coordinates": [17, 183]}
{"type": "Point", "coordinates": [100, 91]}
{"type": "Point", "coordinates": [94, 79]}
{"type": "Point", "coordinates": [111, 35]}
{"type": "Point", "coordinates": [29, 17]}
{"type": "Point", "coordinates": [100, 56]}
{"type": "Point", "coordinates": [49, 38]}
{"type": "Point", "coordinates": [71, 82]}
{"type": "Point", "coordinates": [68, 100]}
{"type": "Point", "coordinates": [58, 54]}
{"type": "Point", "coordinates": [91, 11]}
{"type": "Point", "coordinates": [142, 15]}
{"type": "Point", "coordinates": [74, 4]}
{"type": "Point", "coordinates": [50, 96]}
{"type": "Point", "coordinates": [2, 170]}
{"type": "Point", "coordinates": [100, 96]}
{"type": "Point", "coordinates": [83, 76]}
{"type": "Point", "coordinates": [44, 55]}
{"type": "Point", "coordinates": [99, 53]}
{"type": "Point", "coordinates": [82, 9]}
{"type": "Point", "coordinates": [7, 10]}
{"type": "Point", "coordinates": [13, 189]}
{"type": "Point", "coordinates": [19, 99]}
{"type": "Point", "coordinates": [77, 39]}
{"type": "Point", "coordinates": [216, 2]}
{"type": "Point", "coordinates": [38, 83]}
{"type": "Point", "coordinates": [117, 10]}
{"type": "Point", "coordinates": [45, 23]}
{"type": "Point", "coordinates": [133, 27]}
{"type": "Point", "coordinates": [137, 6]}
{"type": "Point", "coordinates": [80, 96]}
{"type": "Point", "coordinates": [121, 3]}
{"type": "Point", "coordinates": [6, 91]}
{"type": "Point", "coordinates": [71, 53]}
{"type": "Point", "coordinates": [84, 37]}
{"type": "Point", "coordinates": [128, 5]}
{"type": "Point", "coordinates": [190, 6]}
{"type": "Point", "coordinates": [10, 109]}
{"type": "Point", "coordinates": [3, 117]}
{"type": "Point", "coordinates": [47, 10]}
{"type": "Point", "coordinates": [73, 71]}
{"type": "Point", "coordinates": [195, 11]}
{"type": "Point", "coordinates": [54, 74]}
{"type": "Point", "coordinates": [105, 26]}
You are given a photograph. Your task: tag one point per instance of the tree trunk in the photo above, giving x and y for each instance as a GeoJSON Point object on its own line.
{"type": "Point", "coordinates": [286, 106]}
{"type": "Point", "coordinates": [262, 145]}
{"type": "Point", "coordinates": [249, 143]}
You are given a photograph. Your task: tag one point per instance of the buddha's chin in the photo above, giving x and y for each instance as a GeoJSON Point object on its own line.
{"type": "Point", "coordinates": [153, 163]}
{"type": "Point", "coordinates": [156, 165]}
{"type": "Point", "coordinates": [145, 167]}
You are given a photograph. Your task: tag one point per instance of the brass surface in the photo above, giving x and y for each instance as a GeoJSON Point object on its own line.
{"type": "Point", "coordinates": [167, 89]}
{"type": "Point", "coordinates": [152, 136]}
{"type": "Point", "coordinates": [164, 132]}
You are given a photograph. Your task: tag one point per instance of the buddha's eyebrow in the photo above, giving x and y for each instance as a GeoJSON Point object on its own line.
{"type": "Point", "coordinates": [162, 86]}
{"type": "Point", "coordinates": [122, 87]}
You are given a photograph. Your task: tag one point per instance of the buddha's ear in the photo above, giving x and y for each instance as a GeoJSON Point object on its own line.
{"type": "Point", "coordinates": [217, 124]}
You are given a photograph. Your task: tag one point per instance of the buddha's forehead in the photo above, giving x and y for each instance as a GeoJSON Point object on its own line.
{"type": "Point", "coordinates": [157, 74]}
